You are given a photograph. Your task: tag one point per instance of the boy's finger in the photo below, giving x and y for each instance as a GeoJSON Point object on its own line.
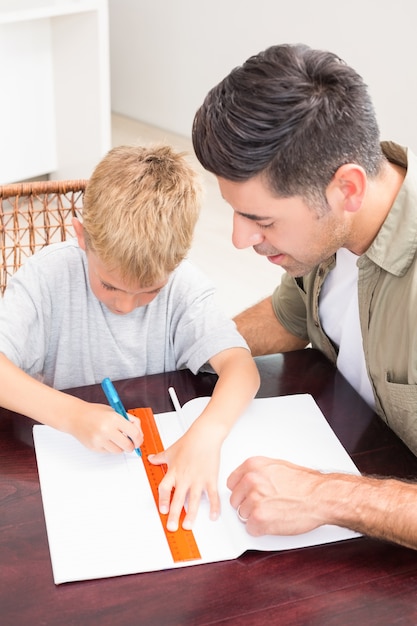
{"type": "Point", "coordinates": [175, 509]}
{"type": "Point", "coordinates": [192, 509]}
{"type": "Point", "coordinates": [165, 492]}
{"type": "Point", "coordinates": [214, 504]}
{"type": "Point", "coordinates": [133, 430]}
{"type": "Point", "coordinates": [158, 459]}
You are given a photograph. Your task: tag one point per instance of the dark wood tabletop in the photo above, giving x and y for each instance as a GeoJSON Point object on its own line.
{"type": "Point", "coordinates": [360, 581]}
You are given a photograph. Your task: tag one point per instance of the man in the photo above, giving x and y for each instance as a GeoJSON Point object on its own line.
{"type": "Point", "coordinates": [293, 141]}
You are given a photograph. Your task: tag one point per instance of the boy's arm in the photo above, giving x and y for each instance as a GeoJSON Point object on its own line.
{"type": "Point", "coordinates": [97, 426]}
{"type": "Point", "coordinates": [236, 387]}
{"type": "Point", "coordinates": [193, 461]}
{"type": "Point", "coordinates": [279, 498]}
{"type": "Point", "coordinates": [263, 332]}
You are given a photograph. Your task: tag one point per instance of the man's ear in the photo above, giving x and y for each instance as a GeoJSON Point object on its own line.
{"type": "Point", "coordinates": [79, 232]}
{"type": "Point", "coordinates": [348, 187]}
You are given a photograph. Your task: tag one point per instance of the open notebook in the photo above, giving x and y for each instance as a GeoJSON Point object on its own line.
{"type": "Point", "coordinates": [100, 514]}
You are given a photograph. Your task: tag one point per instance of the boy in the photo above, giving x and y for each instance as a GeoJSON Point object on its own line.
{"type": "Point", "coordinates": [121, 301]}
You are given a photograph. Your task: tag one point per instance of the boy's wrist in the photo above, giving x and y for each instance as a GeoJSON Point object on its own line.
{"type": "Point", "coordinates": [210, 428]}
{"type": "Point", "coordinates": [63, 410]}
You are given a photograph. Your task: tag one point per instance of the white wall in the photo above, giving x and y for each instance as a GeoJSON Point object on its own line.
{"type": "Point", "coordinates": [166, 54]}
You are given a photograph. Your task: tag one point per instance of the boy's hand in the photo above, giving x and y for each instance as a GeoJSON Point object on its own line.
{"type": "Point", "coordinates": [97, 426]}
{"type": "Point", "coordinates": [193, 465]}
{"type": "Point", "coordinates": [100, 428]}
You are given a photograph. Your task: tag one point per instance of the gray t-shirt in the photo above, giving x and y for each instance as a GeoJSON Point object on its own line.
{"type": "Point", "coordinates": [55, 329]}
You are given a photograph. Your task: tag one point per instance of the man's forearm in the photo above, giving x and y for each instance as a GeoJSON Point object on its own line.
{"type": "Point", "coordinates": [380, 508]}
{"type": "Point", "coordinates": [263, 332]}
{"type": "Point", "coordinates": [279, 498]}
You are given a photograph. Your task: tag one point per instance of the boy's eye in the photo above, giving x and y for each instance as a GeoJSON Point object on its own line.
{"type": "Point", "coordinates": [108, 287]}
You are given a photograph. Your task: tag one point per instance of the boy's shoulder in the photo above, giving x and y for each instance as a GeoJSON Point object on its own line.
{"type": "Point", "coordinates": [189, 281]}
{"type": "Point", "coordinates": [188, 271]}
{"type": "Point", "coordinates": [52, 262]}
{"type": "Point", "coordinates": [60, 248]}
{"type": "Point", "coordinates": [62, 251]}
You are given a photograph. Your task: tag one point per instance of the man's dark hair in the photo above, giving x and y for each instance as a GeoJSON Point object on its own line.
{"type": "Point", "coordinates": [293, 113]}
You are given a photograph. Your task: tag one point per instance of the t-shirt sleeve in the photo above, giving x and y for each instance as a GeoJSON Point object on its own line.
{"type": "Point", "coordinates": [23, 332]}
{"type": "Point", "coordinates": [200, 328]}
{"type": "Point", "coordinates": [289, 304]}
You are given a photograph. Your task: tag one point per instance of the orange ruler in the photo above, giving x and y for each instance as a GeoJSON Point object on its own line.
{"type": "Point", "coordinates": [182, 543]}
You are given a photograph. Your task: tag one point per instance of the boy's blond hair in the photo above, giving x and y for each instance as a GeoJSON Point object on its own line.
{"type": "Point", "coordinates": [140, 208]}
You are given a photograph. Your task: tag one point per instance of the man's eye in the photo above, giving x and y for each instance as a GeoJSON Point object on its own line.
{"type": "Point", "coordinates": [264, 226]}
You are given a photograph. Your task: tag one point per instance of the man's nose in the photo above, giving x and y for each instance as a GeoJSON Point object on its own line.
{"type": "Point", "coordinates": [246, 233]}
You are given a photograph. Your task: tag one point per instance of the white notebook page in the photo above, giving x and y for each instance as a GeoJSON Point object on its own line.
{"type": "Point", "coordinates": [100, 513]}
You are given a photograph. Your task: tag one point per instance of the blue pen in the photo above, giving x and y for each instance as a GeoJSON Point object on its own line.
{"type": "Point", "coordinates": [115, 402]}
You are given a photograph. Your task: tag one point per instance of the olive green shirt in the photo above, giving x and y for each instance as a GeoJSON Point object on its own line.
{"type": "Point", "coordinates": [387, 293]}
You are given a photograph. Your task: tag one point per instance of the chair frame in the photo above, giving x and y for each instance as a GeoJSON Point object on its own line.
{"type": "Point", "coordinates": [33, 215]}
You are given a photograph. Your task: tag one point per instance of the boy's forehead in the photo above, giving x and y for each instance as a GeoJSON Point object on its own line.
{"type": "Point", "coordinates": [132, 287]}
{"type": "Point", "coordinates": [114, 278]}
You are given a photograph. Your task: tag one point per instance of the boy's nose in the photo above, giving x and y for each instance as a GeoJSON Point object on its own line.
{"type": "Point", "coordinates": [126, 303]}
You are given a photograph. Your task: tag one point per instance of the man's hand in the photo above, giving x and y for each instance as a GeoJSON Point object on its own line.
{"type": "Point", "coordinates": [276, 497]}
{"type": "Point", "coordinates": [279, 498]}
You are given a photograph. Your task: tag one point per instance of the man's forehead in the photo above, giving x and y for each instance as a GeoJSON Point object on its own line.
{"type": "Point", "coordinates": [253, 216]}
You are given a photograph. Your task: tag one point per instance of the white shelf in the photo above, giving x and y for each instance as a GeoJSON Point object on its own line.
{"type": "Point", "coordinates": [55, 114]}
{"type": "Point", "coordinates": [12, 11]}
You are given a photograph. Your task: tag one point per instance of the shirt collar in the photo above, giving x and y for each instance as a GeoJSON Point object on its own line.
{"type": "Point", "coordinates": [395, 245]}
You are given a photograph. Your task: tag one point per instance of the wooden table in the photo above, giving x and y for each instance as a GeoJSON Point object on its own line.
{"type": "Point", "coordinates": [361, 581]}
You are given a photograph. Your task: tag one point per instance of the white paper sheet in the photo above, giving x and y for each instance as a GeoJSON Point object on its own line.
{"type": "Point", "coordinates": [100, 514]}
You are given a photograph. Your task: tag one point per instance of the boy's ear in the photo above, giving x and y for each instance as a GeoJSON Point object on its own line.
{"type": "Point", "coordinates": [79, 232]}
